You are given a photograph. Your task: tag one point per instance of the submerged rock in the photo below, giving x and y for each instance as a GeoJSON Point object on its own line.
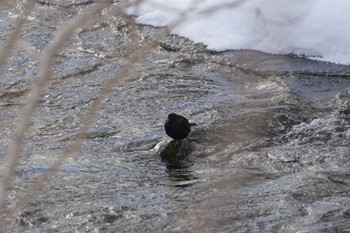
{"type": "Point", "coordinates": [174, 152]}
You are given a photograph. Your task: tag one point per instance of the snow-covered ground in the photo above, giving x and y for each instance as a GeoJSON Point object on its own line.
{"type": "Point", "coordinates": [317, 29]}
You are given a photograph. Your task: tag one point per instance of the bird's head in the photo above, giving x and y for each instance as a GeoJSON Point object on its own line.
{"type": "Point", "coordinates": [172, 116]}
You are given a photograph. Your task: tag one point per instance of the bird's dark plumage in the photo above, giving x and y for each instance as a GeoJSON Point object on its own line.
{"type": "Point", "coordinates": [177, 127]}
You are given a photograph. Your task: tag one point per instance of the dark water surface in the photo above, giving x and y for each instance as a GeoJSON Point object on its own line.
{"type": "Point", "coordinates": [270, 152]}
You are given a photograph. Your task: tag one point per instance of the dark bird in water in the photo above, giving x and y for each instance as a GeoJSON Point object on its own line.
{"type": "Point", "coordinates": [177, 127]}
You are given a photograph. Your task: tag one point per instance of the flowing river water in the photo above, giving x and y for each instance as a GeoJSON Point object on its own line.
{"type": "Point", "coordinates": [270, 152]}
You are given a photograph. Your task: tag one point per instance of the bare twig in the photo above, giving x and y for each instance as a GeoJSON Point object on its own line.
{"type": "Point", "coordinates": [28, 7]}
{"type": "Point", "coordinates": [38, 86]}
{"type": "Point", "coordinates": [136, 54]}
{"type": "Point", "coordinates": [43, 179]}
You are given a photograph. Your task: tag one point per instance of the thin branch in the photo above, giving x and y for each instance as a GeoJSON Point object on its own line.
{"type": "Point", "coordinates": [136, 54]}
{"type": "Point", "coordinates": [38, 86]}
{"type": "Point", "coordinates": [75, 146]}
{"type": "Point", "coordinates": [28, 7]}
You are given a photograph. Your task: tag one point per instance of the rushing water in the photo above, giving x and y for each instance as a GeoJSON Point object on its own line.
{"type": "Point", "coordinates": [270, 152]}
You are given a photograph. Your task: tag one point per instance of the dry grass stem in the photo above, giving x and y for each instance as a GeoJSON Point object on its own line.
{"type": "Point", "coordinates": [38, 86]}
{"type": "Point", "coordinates": [28, 8]}
{"type": "Point", "coordinates": [46, 63]}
